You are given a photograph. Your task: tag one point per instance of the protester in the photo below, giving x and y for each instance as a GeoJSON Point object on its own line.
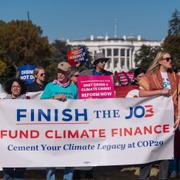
{"type": "Point", "coordinates": [15, 89]}
{"type": "Point", "coordinates": [74, 75]}
{"type": "Point", "coordinates": [99, 65]}
{"type": "Point", "coordinates": [174, 166]}
{"type": "Point", "coordinates": [39, 82]}
{"type": "Point", "coordinates": [61, 89]}
{"type": "Point", "coordinates": [139, 73]}
{"type": "Point", "coordinates": [161, 80]}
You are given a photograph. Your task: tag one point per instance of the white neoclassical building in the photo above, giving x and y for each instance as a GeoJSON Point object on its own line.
{"type": "Point", "coordinates": [121, 51]}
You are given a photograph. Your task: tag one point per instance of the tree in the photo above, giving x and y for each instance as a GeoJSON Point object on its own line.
{"type": "Point", "coordinates": [172, 41]}
{"type": "Point", "coordinates": [172, 44]}
{"type": "Point", "coordinates": [174, 24]}
{"type": "Point", "coordinates": [21, 42]}
{"type": "Point", "coordinates": [145, 55]}
{"type": "Point", "coordinates": [59, 51]}
{"type": "Point", "coordinates": [59, 54]}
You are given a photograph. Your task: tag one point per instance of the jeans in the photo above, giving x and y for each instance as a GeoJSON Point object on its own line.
{"type": "Point", "coordinates": [174, 165]}
{"type": "Point", "coordinates": [50, 175]}
{"type": "Point", "coordinates": [146, 168]}
{"type": "Point", "coordinates": [68, 174]}
{"type": "Point", "coordinates": [13, 173]}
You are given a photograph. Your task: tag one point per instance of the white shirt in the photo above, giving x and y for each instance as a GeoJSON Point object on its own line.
{"type": "Point", "coordinates": [166, 83]}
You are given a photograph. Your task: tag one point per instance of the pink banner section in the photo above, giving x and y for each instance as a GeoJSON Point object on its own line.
{"type": "Point", "coordinates": [95, 87]}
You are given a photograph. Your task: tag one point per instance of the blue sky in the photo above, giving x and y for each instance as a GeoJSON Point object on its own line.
{"type": "Point", "coordinates": [78, 19]}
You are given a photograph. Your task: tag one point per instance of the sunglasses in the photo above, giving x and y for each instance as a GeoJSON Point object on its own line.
{"type": "Point", "coordinates": [60, 71]}
{"type": "Point", "coordinates": [102, 61]}
{"type": "Point", "coordinates": [42, 74]}
{"type": "Point", "coordinates": [16, 86]}
{"type": "Point", "coordinates": [167, 59]}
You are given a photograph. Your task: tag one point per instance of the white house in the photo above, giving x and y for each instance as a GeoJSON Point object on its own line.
{"type": "Point", "coordinates": [121, 51]}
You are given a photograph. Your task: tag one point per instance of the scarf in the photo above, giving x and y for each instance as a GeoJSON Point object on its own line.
{"type": "Point", "coordinates": [62, 84]}
{"type": "Point", "coordinates": [154, 81]}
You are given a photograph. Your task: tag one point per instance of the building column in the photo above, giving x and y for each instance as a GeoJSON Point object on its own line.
{"type": "Point", "coordinates": [119, 59]}
{"type": "Point", "coordinates": [133, 57]}
{"type": "Point", "coordinates": [105, 53]}
{"type": "Point", "coordinates": [112, 61]}
{"type": "Point", "coordinates": [125, 63]}
{"type": "Point", "coordinates": [130, 58]}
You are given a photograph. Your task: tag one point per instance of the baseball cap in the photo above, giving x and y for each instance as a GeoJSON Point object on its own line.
{"type": "Point", "coordinates": [64, 66]}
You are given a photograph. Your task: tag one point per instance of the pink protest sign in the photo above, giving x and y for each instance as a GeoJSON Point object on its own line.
{"type": "Point", "coordinates": [95, 87]}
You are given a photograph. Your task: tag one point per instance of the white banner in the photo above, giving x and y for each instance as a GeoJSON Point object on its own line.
{"type": "Point", "coordinates": [34, 95]}
{"type": "Point", "coordinates": [95, 132]}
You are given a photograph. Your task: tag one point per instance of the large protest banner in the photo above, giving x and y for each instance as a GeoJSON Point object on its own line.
{"type": "Point", "coordinates": [95, 132]}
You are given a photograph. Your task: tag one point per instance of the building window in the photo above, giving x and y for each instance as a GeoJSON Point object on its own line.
{"type": "Point", "coordinates": [109, 53]}
{"type": "Point", "coordinates": [128, 50]}
{"type": "Point", "coordinates": [108, 64]}
{"type": "Point", "coordinates": [122, 52]}
{"type": "Point", "coordinates": [122, 62]}
{"type": "Point", "coordinates": [115, 62]}
{"type": "Point", "coordinates": [115, 52]}
{"type": "Point", "coordinates": [103, 51]}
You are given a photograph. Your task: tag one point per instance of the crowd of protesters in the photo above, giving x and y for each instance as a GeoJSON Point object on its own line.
{"type": "Point", "coordinates": [160, 79]}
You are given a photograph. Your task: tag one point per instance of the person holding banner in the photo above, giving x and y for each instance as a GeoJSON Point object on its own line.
{"type": "Point", "coordinates": [15, 89]}
{"type": "Point", "coordinates": [39, 82]}
{"type": "Point", "coordinates": [61, 89]}
{"type": "Point", "coordinates": [99, 65]}
{"type": "Point", "coordinates": [161, 80]}
{"type": "Point", "coordinates": [139, 73]}
{"type": "Point", "coordinates": [175, 163]}
{"type": "Point", "coordinates": [74, 75]}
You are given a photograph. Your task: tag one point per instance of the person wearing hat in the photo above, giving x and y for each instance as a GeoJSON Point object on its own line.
{"type": "Point", "coordinates": [174, 166]}
{"type": "Point", "coordinates": [61, 89]}
{"type": "Point", "coordinates": [99, 65]}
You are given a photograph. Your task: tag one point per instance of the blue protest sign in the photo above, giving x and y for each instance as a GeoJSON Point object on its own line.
{"type": "Point", "coordinates": [26, 73]}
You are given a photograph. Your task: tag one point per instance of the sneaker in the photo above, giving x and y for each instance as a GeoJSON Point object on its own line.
{"type": "Point", "coordinates": [173, 174]}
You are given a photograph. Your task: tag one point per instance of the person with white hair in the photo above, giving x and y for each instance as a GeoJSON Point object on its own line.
{"type": "Point", "coordinates": [61, 89]}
